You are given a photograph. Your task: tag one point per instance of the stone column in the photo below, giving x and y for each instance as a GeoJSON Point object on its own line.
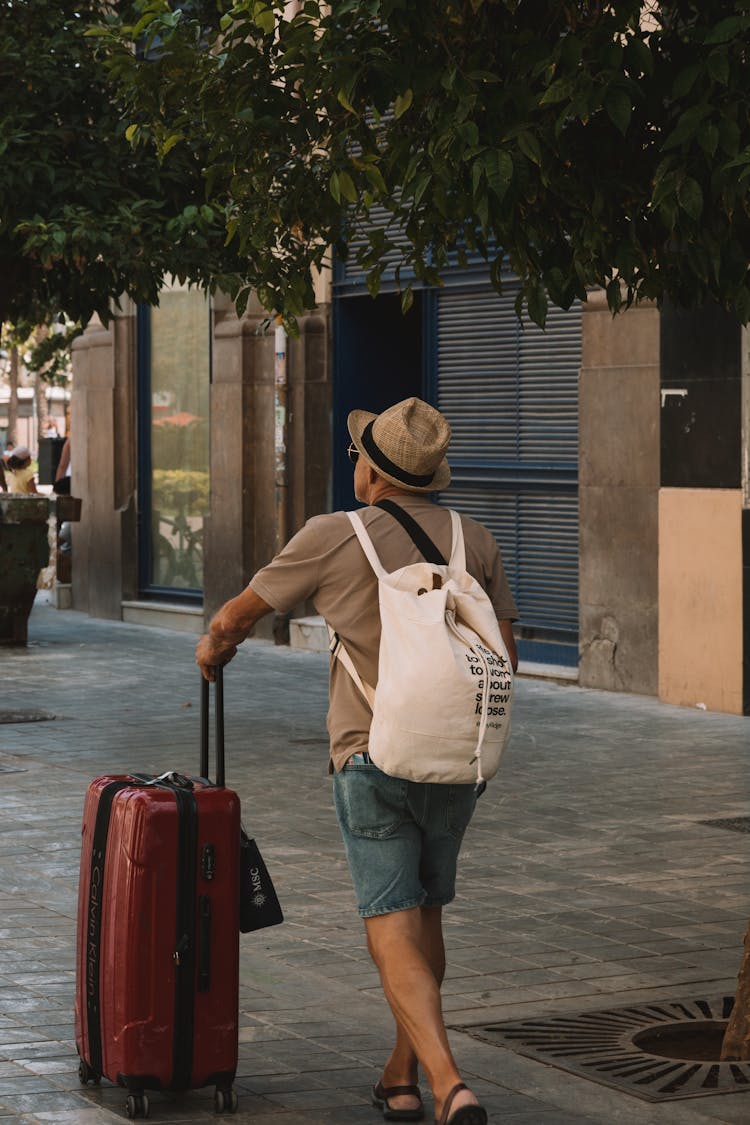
{"type": "Point", "coordinates": [240, 533]}
{"type": "Point", "coordinates": [310, 420]}
{"type": "Point", "coordinates": [103, 465]}
{"type": "Point", "coordinates": [619, 489]}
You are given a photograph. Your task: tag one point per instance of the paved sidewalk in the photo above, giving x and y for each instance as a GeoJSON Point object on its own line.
{"type": "Point", "coordinates": [587, 881]}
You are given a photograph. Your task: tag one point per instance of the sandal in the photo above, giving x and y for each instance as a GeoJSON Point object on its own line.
{"type": "Point", "coordinates": [381, 1094]}
{"type": "Point", "coordinates": [466, 1115]}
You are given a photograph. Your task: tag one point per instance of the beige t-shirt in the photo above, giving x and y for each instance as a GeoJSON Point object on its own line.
{"type": "Point", "coordinates": [325, 562]}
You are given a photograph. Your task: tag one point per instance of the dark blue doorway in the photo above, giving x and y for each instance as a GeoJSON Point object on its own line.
{"type": "Point", "coordinates": [378, 360]}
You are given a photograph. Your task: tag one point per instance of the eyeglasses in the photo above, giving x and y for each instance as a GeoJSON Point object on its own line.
{"type": "Point", "coordinates": [352, 453]}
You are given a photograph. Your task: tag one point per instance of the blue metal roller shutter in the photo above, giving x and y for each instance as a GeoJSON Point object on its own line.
{"type": "Point", "coordinates": [511, 395]}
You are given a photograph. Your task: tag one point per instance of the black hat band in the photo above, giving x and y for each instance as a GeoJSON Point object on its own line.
{"type": "Point", "coordinates": [379, 458]}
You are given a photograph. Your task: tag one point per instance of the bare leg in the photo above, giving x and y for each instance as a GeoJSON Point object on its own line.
{"type": "Point", "coordinates": [401, 1067]}
{"type": "Point", "coordinates": [407, 947]}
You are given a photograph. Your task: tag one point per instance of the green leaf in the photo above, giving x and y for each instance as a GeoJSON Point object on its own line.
{"type": "Point", "coordinates": [559, 91]}
{"type": "Point", "coordinates": [469, 133]}
{"type": "Point", "coordinates": [496, 273]}
{"type": "Point", "coordinates": [536, 300]}
{"type": "Point", "coordinates": [482, 208]}
{"type": "Point", "coordinates": [729, 136]}
{"type": "Point", "coordinates": [373, 282]}
{"type": "Point", "coordinates": [570, 51]}
{"type": "Point", "coordinates": [618, 106]}
{"type": "Point", "coordinates": [614, 294]}
{"type": "Point", "coordinates": [335, 186]}
{"type": "Point", "coordinates": [375, 176]}
{"type": "Point", "coordinates": [690, 196]}
{"type": "Point", "coordinates": [685, 80]}
{"type": "Point", "coordinates": [343, 97]}
{"type": "Point", "coordinates": [718, 65]}
{"type": "Point", "coordinates": [421, 186]}
{"type": "Point", "coordinates": [231, 230]}
{"type": "Point", "coordinates": [169, 143]}
{"type": "Point", "coordinates": [264, 19]}
{"type": "Point", "coordinates": [498, 168]}
{"type": "Point", "coordinates": [347, 188]}
{"type": "Point", "coordinates": [407, 299]}
{"type": "Point", "coordinates": [530, 147]}
{"type": "Point", "coordinates": [131, 132]}
{"type": "Point", "coordinates": [402, 103]}
{"type": "Point", "coordinates": [708, 139]}
{"type": "Point", "coordinates": [241, 300]}
{"type": "Point", "coordinates": [687, 126]}
{"type": "Point", "coordinates": [725, 30]}
{"type": "Point", "coordinates": [477, 172]}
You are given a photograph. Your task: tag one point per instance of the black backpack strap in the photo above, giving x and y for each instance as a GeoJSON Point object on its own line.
{"type": "Point", "coordinates": [418, 536]}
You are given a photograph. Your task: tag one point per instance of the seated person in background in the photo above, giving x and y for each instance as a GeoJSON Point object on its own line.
{"type": "Point", "coordinates": [19, 471]}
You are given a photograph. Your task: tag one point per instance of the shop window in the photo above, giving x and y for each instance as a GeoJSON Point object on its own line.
{"type": "Point", "coordinates": [174, 380]}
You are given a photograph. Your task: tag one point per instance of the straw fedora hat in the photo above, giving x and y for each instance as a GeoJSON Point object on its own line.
{"type": "Point", "coordinates": [405, 444]}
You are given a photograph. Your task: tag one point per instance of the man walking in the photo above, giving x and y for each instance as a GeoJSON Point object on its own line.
{"type": "Point", "coordinates": [402, 838]}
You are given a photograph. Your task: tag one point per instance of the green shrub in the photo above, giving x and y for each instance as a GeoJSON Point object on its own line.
{"type": "Point", "coordinates": [175, 490]}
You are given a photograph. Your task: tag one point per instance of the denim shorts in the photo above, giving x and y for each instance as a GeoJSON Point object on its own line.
{"type": "Point", "coordinates": [402, 838]}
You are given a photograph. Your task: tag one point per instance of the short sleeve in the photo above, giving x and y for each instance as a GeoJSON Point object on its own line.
{"type": "Point", "coordinates": [499, 593]}
{"type": "Point", "coordinates": [292, 576]}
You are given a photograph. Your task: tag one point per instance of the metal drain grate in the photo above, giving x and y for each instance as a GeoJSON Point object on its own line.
{"type": "Point", "coordinates": [600, 1046]}
{"type": "Point", "coordinates": [733, 823]}
{"type": "Point", "coordinates": [25, 715]}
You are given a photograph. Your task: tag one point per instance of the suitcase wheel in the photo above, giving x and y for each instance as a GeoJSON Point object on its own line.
{"type": "Point", "coordinates": [86, 1074]}
{"type": "Point", "coordinates": [136, 1105]}
{"type": "Point", "coordinates": [225, 1101]}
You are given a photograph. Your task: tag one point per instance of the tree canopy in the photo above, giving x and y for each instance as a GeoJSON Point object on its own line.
{"type": "Point", "coordinates": [578, 143]}
{"type": "Point", "coordinates": [582, 143]}
{"type": "Point", "coordinates": [85, 218]}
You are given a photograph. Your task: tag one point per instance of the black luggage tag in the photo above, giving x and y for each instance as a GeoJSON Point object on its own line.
{"type": "Point", "coordinates": [259, 903]}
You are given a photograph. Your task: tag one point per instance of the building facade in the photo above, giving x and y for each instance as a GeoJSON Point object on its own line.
{"type": "Point", "coordinates": [609, 457]}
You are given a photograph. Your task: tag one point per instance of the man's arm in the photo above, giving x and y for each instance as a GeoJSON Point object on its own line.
{"type": "Point", "coordinates": [229, 627]}
{"type": "Point", "coordinates": [506, 630]}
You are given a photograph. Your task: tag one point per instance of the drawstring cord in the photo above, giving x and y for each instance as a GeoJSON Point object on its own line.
{"type": "Point", "coordinates": [450, 617]}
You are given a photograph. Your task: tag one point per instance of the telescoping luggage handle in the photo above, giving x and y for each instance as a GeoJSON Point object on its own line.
{"type": "Point", "coordinates": [219, 726]}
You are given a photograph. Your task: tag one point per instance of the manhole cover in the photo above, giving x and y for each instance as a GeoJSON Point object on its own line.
{"type": "Point", "coordinates": [733, 823]}
{"type": "Point", "coordinates": [657, 1052]}
{"type": "Point", "coordinates": [25, 715]}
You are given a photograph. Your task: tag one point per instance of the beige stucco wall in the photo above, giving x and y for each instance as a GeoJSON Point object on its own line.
{"type": "Point", "coordinates": [700, 598]}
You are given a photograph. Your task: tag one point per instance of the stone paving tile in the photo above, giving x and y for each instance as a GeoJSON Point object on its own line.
{"type": "Point", "coordinates": [585, 881]}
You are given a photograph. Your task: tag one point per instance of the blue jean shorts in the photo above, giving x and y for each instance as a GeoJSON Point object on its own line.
{"type": "Point", "coordinates": [402, 838]}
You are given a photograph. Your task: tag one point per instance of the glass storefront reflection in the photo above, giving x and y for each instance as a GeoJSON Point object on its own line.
{"type": "Point", "coordinates": [179, 361]}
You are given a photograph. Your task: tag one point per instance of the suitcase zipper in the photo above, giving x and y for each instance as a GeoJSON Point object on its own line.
{"type": "Point", "coordinates": [184, 954]}
{"type": "Point", "coordinates": [93, 932]}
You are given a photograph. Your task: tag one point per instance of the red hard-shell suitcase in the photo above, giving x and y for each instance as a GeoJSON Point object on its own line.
{"type": "Point", "coordinates": [158, 931]}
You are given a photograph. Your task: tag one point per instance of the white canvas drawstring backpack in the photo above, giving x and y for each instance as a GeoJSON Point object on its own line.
{"type": "Point", "coordinates": [441, 710]}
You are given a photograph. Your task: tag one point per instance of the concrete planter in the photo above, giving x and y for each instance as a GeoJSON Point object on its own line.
{"type": "Point", "coordinates": [24, 550]}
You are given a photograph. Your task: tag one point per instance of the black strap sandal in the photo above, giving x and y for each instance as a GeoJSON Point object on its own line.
{"type": "Point", "coordinates": [381, 1094]}
{"type": "Point", "coordinates": [466, 1115]}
